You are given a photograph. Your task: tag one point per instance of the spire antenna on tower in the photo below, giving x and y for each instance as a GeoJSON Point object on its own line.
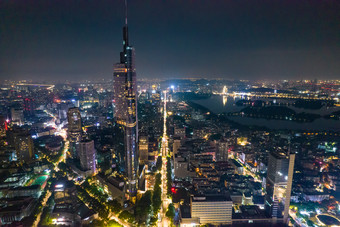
{"type": "Point", "coordinates": [125, 29]}
{"type": "Point", "coordinates": [126, 13]}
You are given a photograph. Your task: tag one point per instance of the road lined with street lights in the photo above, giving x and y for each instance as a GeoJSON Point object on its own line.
{"type": "Point", "coordinates": [164, 152]}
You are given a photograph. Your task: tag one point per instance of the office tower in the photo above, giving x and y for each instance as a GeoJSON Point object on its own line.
{"type": "Point", "coordinates": [156, 97]}
{"type": "Point", "coordinates": [65, 203]}
{"type": "Point", "coordinates": [29, 107]}
{"type": "Point", "coordinates": [3, 126]}
{"type": "Point", "coordinates": [74, 124]}
{"type": "Point", "coordinates": [176, 145]}
{"type": "Point", "coordinates": [179, 132]}
{"type": "Point", "coordinates": [65, 192]}
{"type": "Point", "coordinates": [279, 184]}
{"type": "Point", "coordinates": [74, 132]}
{"type": "Point", "coordinates": [126, 107]}
{"type": "Point", "coordinates": [105, 100]}
{"type": "Point", "coordinates": [62, 111]}
{"type": "Point", "coordinates": [212, 209]}
{"type": "Point", "coordinates": [17, 115]}
{"type": "Point", "coordinates": [120, 93]}
{"type": "Point", "coordinates": [143, 148]}
{"type": "Point", "coordinates": [152, 148]}
{"type": "Point", "coordinates": [23, 144]}
{"type": "Point", "coordinates": [87, 156]}
{"type": "Point", "coordinates": [222, 151]}
{"type": "Point", "coordinates": [289, 188]}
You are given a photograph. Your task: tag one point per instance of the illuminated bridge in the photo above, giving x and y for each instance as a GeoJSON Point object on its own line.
{"type": "Point", "coordinates": [48, 86]}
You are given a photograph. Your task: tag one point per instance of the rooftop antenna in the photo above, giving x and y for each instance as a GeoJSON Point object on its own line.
{"type": "Point", "coordinates": [126, 15]}
{"type": "Point", "coordinates": [125, 29]}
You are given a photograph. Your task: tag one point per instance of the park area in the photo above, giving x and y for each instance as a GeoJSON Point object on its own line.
{"type": "Point", "coordinates": [39, 180]}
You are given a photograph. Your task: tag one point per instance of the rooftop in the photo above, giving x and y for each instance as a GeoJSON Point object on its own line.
{"type": "Point", "coordinates": [210, 198]}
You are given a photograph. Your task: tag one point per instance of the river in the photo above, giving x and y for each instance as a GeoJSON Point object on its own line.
{"type": "Point", "coordinates": [219, 104]}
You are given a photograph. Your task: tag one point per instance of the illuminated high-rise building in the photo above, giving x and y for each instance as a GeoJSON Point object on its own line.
{"type": "Point", "coordinates": [143, 148]}
{"type": "Point", "coordinates": [279, 184]}
{"type": "Point", "coordinates": [17, 115]}
{"type": "Point", "coordinates": [24, 147]}
{"type": "Point", "coordinates": [120, 92]}
{"type": "Point", "coordinates": [3, 126]}
{"type": "Point", "coordinates": [87, 156]}
{"type": "Point", "coordinates": [125, 99]}
{"type": "Point", "coordinates": [29, 106]}
{"type": "Point", "coordinates": [74, 132]}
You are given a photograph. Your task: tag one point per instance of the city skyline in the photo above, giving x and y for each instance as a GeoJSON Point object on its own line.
{"type": "Point", "coordinates": [184, 145]}
{"type": "Point", "coordinates": [232, 40]}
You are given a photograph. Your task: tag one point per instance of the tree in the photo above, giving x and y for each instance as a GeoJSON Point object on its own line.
{"type": "Point", "coordinates": [113, 223]}
{"type": "Point", "coordinates": [143, 207]}
{"type": "Point", "coordinates": [159, 163]}
{"type": "Point", "coordinates": [114, 206]}
{"type": "Point", "coordinates": [158, 180]}
{"type": "Point", "coordinates": [170, 213]}
{"type": "Point", "coordinates": [156, 199]}
{"type": "Point", "coordinates": [310, 223]}
{"type": "Point", "coordinates": [169, 175]}
{"type": "Point", "coordinates": [62, 166]}
{"type": "Point", "coordinates": [103, 213]}
{"type": "Point", "coordinates": [153, 221]}
{"type": "Point", "coordinates": [97, 223]}
{"type": "Point", "coordinates": [126, 215]}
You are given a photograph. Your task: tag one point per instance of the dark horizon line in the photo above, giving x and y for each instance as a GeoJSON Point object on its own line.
{"type": "Point", "coordinates": [167, 79]}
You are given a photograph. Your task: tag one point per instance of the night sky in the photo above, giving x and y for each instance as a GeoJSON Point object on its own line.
{"type": "Point", "coordinates": [240, 39]}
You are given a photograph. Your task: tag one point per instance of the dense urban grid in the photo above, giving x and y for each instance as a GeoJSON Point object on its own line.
{"type": "Point", "coordinates": [184, 152]}
{"type": "Point", "coordinates": [64, 154]}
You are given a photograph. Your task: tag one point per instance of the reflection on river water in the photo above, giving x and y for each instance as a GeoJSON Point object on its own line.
{"type": "Point", "coordinates": [224, 104]}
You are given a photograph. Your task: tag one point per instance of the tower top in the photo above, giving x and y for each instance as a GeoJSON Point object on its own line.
{"type": "Point", "coordinates": [125, 36]}
{"type": "Point", "coordinates": [126, 13]}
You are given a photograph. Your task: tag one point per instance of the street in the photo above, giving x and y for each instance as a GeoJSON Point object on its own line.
{"type": "Point", "coordinates": [164, 150]}
{"type": "Point", "coordinates": [48, 194]}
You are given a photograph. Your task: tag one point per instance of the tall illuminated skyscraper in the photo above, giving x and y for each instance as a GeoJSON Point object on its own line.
{"type": "Point", "coordinates": [17, 115]}
{"type": "Point", "coordinates": [29, 106]}
{"type": "Point", "coordinates": [24, 147]}
{"type": "Point", "coordinates": [119, 90]}
{"type": "Point", "coordinates": [279, 184]}
{"type": "Point", "coordinates": [126, 107]}
{"type": "Point", "coordinates": [87, 156]}
{"type": "Point", "coordinates": [74, 131]}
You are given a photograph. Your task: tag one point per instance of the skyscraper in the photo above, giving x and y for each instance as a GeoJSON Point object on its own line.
{"type": "Point", "coordinates": [74, 132]}
{"type": "Point", "coordinates": [143, 149]}
{"type": "Point", "coordinates": [17, 115]}
{"type": "Point", "coordinates": [23, 144]}
{"type": "Point", "coordinates": [29, 106]}
{"type": "Point", "coordinates": [87, 156]}
{"type": "Point", "coordinates": [222, 151]}
{"type": "Point", "coordinates": [279, 184]}
{"type": "Point", "coordinates": [119, 90]}
{"type": "Point", "coordinates": [125, 89]}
